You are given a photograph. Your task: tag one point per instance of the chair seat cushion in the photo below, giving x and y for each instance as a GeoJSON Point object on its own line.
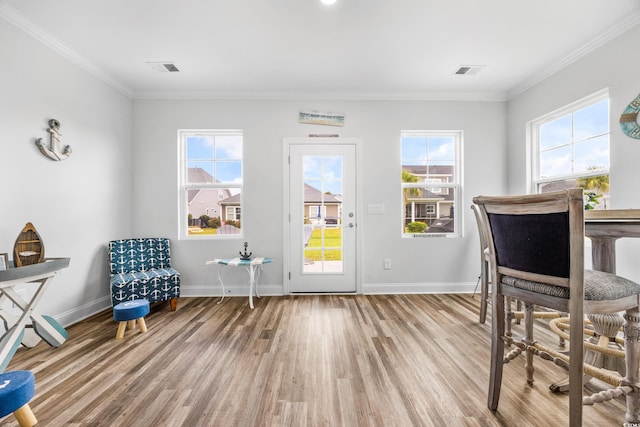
{"type": "Point", "coordinates": [598, 286]}
{"type": "Point", "coordinates": [124, 278]}
{"type": "Point", "coordinates": [18, 387]}
{"type": "Point", "coordinates": [130, 310]}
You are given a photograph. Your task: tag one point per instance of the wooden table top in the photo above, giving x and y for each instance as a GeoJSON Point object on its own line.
{"type": "Point", "coordinates": [612, 215]}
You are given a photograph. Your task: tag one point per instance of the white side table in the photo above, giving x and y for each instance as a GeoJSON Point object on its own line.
{"type": "Point", "coordinates": [253, 266]}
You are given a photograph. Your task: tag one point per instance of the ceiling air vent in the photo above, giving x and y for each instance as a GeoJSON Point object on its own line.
{"type": "Point", "coordinates": [469, 70]}
{"type": "Point", "coordinates": [163, 67]}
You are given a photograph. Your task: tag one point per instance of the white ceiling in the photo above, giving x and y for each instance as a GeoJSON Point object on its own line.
{"type": "Point", "coordinates": [357, 49]}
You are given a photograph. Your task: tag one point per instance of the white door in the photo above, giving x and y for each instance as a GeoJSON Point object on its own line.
{"type": "Point", "coordinates": [322, 221]}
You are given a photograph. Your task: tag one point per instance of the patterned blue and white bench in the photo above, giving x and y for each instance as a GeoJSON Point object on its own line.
{"type": "Point", "coordinates": [141, 269]}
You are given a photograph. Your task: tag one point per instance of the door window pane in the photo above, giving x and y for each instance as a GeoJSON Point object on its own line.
{"type": "Point", "coordinates": [322, 228]}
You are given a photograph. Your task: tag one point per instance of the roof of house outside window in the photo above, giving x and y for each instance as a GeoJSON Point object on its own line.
{"type": "Point", "coordinates": [195, 175]}
{"type": "Point", "coordinates": [313, 195]}
{"type": "Point", "coordinates": [433, 169]}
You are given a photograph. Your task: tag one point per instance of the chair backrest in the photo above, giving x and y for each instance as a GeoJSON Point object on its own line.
{"type": "Point", "coordinates": [132, 255]}
{"type": "Point", "coordinates": [482, 230]}
{"type": "Point", "coordinates": [537, 237]}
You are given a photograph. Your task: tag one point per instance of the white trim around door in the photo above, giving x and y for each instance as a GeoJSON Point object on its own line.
{"type": "Point", "coordinates": [286, 190]}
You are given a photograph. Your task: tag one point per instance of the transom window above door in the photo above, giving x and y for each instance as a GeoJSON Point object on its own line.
{"type": "Point", "coordinates": [210, 183]}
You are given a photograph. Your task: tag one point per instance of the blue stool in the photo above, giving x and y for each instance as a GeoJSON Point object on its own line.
{"type": "Point", "coordinates": [16, 390]}
{"type": "Point", "coordinates": [128, 312]}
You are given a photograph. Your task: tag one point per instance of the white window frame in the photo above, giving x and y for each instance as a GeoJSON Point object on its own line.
{"type": "Point", "coordinates": [184, 186]}
{"type": "Point", "coordinates": [533, 139]}
{"type": "Point", "coordinates": [439, 187]}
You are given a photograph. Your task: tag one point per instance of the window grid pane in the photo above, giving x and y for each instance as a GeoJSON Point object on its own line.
{"type": "Point", "coordinates": [211, 183]}
{"type": "Point", "coordinates": [573, 150]}
{"type": "Point", "coordinates": [430, 184]}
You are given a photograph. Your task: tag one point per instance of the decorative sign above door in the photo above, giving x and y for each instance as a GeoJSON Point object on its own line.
{"type": "Point", "coordinates": [321, 118]}
{"type": "Point", "coordinates": [629, 119]}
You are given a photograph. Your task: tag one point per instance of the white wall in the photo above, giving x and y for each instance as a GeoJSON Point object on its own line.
{"type": "Point", "coordinates": [78, 204]}
{"type": "Point", "coordinates": [616, 66]}
{"type": "Point", "coordinates": [121, 180]}
{"type": "Point", "coordinates": [418, 264]}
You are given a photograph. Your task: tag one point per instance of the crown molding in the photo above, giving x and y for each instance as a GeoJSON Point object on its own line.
{"type": "Point", "coordinates": [278, 96]}
{"type": "Point", "coordinates": [622, 27]}
{"type": "Point", "coordinates": [14, 17]}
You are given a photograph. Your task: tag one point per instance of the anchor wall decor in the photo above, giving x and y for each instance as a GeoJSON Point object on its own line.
{"type": "Point", "coordinates": [53, 150]}
{"type": "Point", "coordinates": [629, 119]}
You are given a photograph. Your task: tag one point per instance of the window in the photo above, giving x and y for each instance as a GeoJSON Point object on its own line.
{"type": "Point", "coordinates": [570, 148]}
{"type": "Point", "coordinates": [431, 185]}
{"type": "Point", "coordinates": [210, 182]}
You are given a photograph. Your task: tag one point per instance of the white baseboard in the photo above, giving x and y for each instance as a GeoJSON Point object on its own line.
{"type": "Point", "coordinates": [368, 288]}
{"type": "Point", "coordinates": [419, 288]}
{"type": "Point", "coordinates": [82, 312]}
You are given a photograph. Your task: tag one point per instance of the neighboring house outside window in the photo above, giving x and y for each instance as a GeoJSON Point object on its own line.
{"type": "Point", "coordinates": [570, 148]}
{"type": "Point", "coordinates": [204, 201]}
{"type": "Point", "coordinates": [210, 181]}
{"type": "Point", "coordinates": [431, 185]}
{"type": "Point", "coordinates": [321, 208]}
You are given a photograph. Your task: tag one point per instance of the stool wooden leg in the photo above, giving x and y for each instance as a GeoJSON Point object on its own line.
{"type": "Point", "coordinates": [121, 328]}
{"type": "Point", "coordinates": [142, 325]}
{"type": "Point", "coordinates": [131, 324]}
{"type": "Point", "coordinates": [25, 416]}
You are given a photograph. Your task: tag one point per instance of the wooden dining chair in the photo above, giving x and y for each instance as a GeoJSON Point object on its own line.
{"type": "Point", "coordinates": [484, 264]}
{"type": "Point", "coordinates": [536, 251]}
{"type": "Point", "coordinates": [511, 316]}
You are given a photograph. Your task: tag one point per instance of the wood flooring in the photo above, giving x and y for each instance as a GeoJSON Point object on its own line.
{"type": "Point", "coordinates": [316, 360]}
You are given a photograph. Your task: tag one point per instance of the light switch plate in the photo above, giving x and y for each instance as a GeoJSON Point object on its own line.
{"type": "Point", "coordinates": [375, 208]}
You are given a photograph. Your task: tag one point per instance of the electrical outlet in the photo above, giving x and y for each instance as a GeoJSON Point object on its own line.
{"type": "Point", "coordinates": [387, 264]}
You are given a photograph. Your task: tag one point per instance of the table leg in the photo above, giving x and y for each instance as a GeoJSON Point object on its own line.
{"type": "Point", "coordinates": [9, 344]}
{"type": "Point", "coordinates": [603, 254]}
{"type": "Point", "coordinates": [15, 333]}
{"type": "Point", "coordinates": [632, 349]}
{"type": "Point", "coordinates": [257, 279]}
{"type": "Point", "coordinates": [252, 276]}
{"type": "Point", "coordinates": [221, 282]}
